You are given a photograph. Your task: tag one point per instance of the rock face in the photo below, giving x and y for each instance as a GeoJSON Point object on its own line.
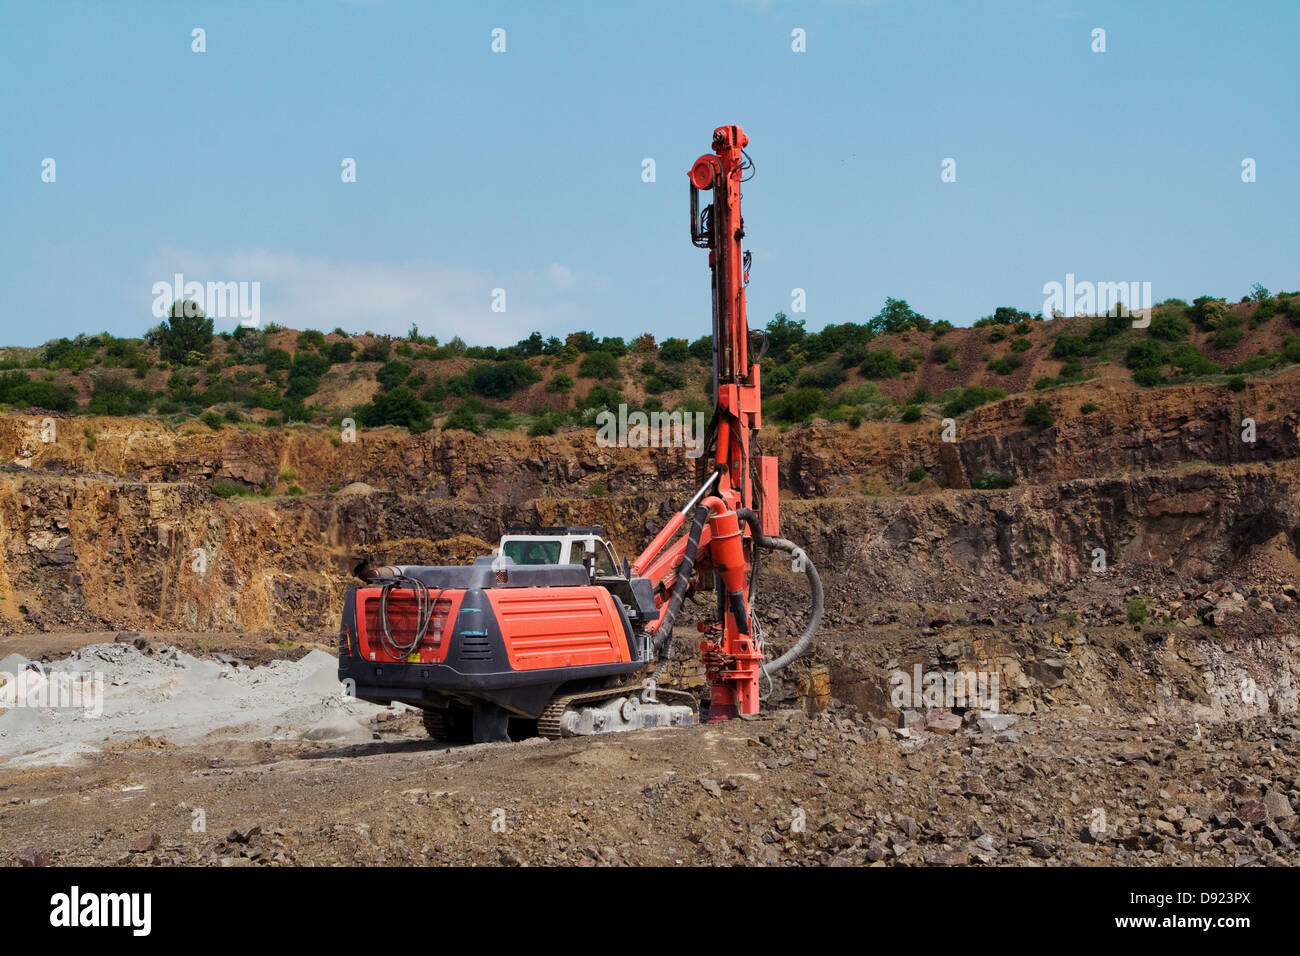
{"type": "Point", "coordinates": [129, 535]}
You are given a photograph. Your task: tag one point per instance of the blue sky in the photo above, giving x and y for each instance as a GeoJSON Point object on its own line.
{"type": "Point", "coordinates": [522, 170]}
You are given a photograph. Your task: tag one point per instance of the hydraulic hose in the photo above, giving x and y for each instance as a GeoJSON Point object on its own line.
{"type": "Point", "coordinates": [814, 582]}
{"type": "Point", "coordinates": [425, 603]}
{"type": "Point", "coordinates": [664, 632]}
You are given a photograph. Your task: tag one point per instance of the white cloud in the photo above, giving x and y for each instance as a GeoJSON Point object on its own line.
{"type": "Point", "coordinates": [442, 300]}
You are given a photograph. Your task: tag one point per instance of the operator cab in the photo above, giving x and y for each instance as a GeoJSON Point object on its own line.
{"type": "Point", "coordinates": [561, 545]}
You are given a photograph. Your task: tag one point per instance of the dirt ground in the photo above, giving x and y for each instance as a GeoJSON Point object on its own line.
{"type": "Point", "coordinates": [1067, 785]}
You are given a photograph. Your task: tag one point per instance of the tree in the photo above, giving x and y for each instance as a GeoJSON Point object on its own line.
{"type": "Point", "coordinates": [186, 339]}
{"type": "Point", "coordinates": [599, 364]}
{"type": "Point", "coordinates": [897, 316]}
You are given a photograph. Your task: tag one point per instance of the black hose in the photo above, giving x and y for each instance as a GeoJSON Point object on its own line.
{"type": "Point", "coordinates": [425, 603]}
{"type": "Point", "coordinates": [664, 633]}
{"type": "Point", "coordinates": [814, 582]}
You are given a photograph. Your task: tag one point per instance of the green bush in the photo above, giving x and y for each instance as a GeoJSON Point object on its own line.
{"type": "Point", "coordinates": [911, 413]}
{"type": "Point", "coordinates": [1139, 609]}
{"type": "Point", "coordinates": [1226, 338]}
{"type": "Point", "coordinates": [916, 474]}
{"type": "Point", "coordinates": [1237, 383]}
{"type": "Point", "coordinates": [1021, 345]}
{"type": "Point", "coordinates": [400, 406]}
{"type": "Point", "coordinates": [1190, 361]}
{"type": "Point", "coordinates": [897, 316]}
{"type": "Point", "coordinates": [185, 339]}
{"type": "Point", "coordinates": [798, 406]}
{"type": "Point", "coordinates": [559, 384]}
{"type": "Point", "coordinates": [112, 395]}
{"type": "Point", "coordinates": [226, 489]}
{"type": "Point", "coordinates": [880, 363]}
{"type": "Point", "coordinates": [277, 360]}
{"type": "Point", "coordinates": [1089, 407]}
{"type": "Point", "coordinates": [1169, 325]}
{"type": "Point", "coordinates": [1148, 377]}
{"type": "Point", "coordinates": [500, 380]}
{"type": "Point", "coordinates": [991, 480]}
{"type": "Point", "coordinates": [17, 389]}
{"type": "Point", "coordinates": [548, 423]}
{"type": "Point", "coordinates": [212, 420]}
{"type": "Point", "coordinates": [1145, 354]}
{"type": "Point", "coordinates": [599, 364]}
{"type": "Point", "coordinates": [392, 374]}
{"type": "Point", "coordinates": [601, 398]}
{"type": "Point", "coordinates": [962, 400]}
{"type": "Point", "coordinates": [1039, 415]}
{"type": "Point", "coordinates": [340, 352]}
{"type": "Point", "coordinates": [674, 350]}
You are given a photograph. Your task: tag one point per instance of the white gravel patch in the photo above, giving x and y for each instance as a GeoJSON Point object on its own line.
{"type": "Point", "coordinates": [169, 694]}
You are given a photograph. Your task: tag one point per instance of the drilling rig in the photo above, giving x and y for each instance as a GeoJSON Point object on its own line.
{"type": "Point", "coordinates": [550, 635]}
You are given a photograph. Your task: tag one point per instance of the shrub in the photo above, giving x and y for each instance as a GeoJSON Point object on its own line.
{"type": "Point", "coordinates": [111, 394]}
{"type": "Point", "coordinates": [500, 380]}
{"type": "Point", "coordinates": [880, 363]}
{"type": "Point", "coordinates": [897, 316]}
{"type": "Point", "coordinates": [962, 400]}
{"type": "Point", "coordinates": [1226, 338]}
{"type": "Point", "coordinates": [378, 350]}
{"type": "Point", "coordinates": [916, 474]}
{"type": "Point", "coordinates": [277, 360]}
{"type": "Point", "coordinates": [400, 406]}
{"type": "Point", "coordinates": [1088, 407]}
{"type": "Point", "coordinates": [1139, 609]}
{"type": "Point", "coordinates": [991, 480]}
{"type": "Point", "coordinates": [599, 364]}
{"type": "Point", "coordinates": [911, 413]}
{"type": "Point", "coordinates": [826, 376]}
{"type": "Point", "coordinates": [1039, 415]}
{"type": "Point", "coordinates": [1021, 345]}
{"type": "Point", "coordinates": [1190, 361]}
{"type": "Point", "coordinates": [212, 420]}
{"type": "Point", "coordinates": [226, 489]}
{"type": "Point", "coordinates": [674, 350]}
{"type": "Point", "coordinates": [392, 374]}
{"type": "Point", "coordinates": [187, 333]}
{"type": "Point", "coordinates": [602, 398]}
{"type": "Point", "coordinates": [1068, 346]}
{"type": "Point", "coordinates": [1169, 325]}
{"type": "Point", "coordinates": [1148, 377]}
{"type": "Point", "coordinates": [18, 390]}
{"type": "Point", "coordinates": [1237, 383]}
{"type": "Point", "coordinates": [1145, 354]}
{"type": "Point", "coordinates": [798, 406]}
{"type": "Point", "coordinates": [340, 352]}
{"type": "Point", "coordinates": [548, 423]}
{"type": "Point", "coordinates": [941, 354]}
{"type": "Point", "coordinates": [559, 384]}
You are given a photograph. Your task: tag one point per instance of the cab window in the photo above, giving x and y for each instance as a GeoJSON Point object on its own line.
{"type": "Point", "coordinates": [532, 552]}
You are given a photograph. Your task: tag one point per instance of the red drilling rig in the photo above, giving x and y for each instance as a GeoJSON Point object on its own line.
{"type": "Point", "coordinates": [559, 636]}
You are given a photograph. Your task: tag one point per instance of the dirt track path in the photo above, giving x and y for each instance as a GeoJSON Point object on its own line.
{"type": "Point", "coordinates": [784, 789]}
